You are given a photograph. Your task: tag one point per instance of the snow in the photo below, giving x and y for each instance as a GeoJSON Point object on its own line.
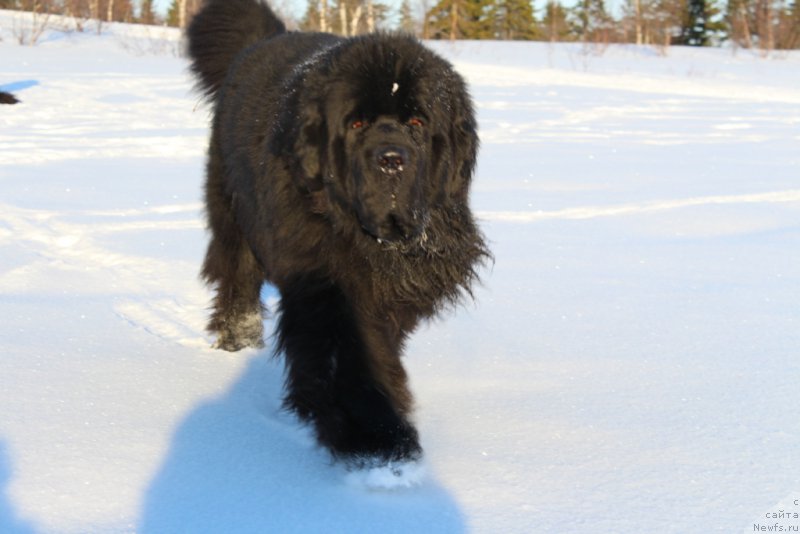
{"type": "Point", "coordinates": [630, 363]}
{"type": "Point", "coordinates": [393, 476]}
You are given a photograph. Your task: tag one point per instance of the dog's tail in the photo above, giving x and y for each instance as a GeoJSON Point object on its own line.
{"type": "Point", "coordinates": [222, 29]}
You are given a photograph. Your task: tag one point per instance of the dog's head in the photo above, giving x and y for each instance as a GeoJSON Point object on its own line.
{"type": "Point", "coordinates": [387, 135]}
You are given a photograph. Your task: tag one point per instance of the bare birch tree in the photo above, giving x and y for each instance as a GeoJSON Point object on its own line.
{"type": "Point", "coordinates": [370, 16]}
{"type": "Point", "coordinates": [323, 15]}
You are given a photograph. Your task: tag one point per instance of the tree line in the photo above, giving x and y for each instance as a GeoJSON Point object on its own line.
{"type": "Point", "coordinates": [85, 10]}
{"type": "Point", "coordinates": [763, 24]}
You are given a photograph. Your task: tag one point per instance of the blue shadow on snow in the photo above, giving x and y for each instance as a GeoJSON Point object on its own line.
{"type": "Point", "coordinates": [18, 86]}
{"type": "Point", "coordinates": [239, 464]}
{"type": "Point", "coordinates": [9, 522]}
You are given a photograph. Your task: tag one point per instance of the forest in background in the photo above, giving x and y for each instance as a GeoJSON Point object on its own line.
{"type": "Point", "coordinates": [758, 24]}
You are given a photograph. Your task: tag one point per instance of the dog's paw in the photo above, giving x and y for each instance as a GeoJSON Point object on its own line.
{"type": "Point", "coordinates": [387, 476]}
{"type": "Point", "coordinates": [239, 332]}
{"type": "Point", "coordinates": [233, 344]}
{"type": "Point", "coordinates": [380, 447]}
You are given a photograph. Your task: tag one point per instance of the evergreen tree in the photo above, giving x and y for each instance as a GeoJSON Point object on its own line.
{"type": "Point", "coordinates": [173, 14]}
{"type": "Point", "coordinates": [478, 24]}
{"type": "Point", "coordinates": [438, 20]}
{"type": "Point", "coordinates": [701, 23]}
{"type": "Point", "coordinates": [512, 19]}
{"type": "Point", "coordinates": [716, 27]}
{"type": "Point", "coordinates": [459, 19]}
{"type": "Point", "coordinates": [555, 26]}
{"type": "Point", "coordinates": [694, 30]}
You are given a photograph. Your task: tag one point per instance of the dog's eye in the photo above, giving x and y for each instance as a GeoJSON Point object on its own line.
{"type": "Point", "coordinates": [415, 122]}
{"type": "Point", "coordinates": [355, 125]}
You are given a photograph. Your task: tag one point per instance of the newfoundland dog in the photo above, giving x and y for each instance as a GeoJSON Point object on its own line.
{"type": "Point", "coordinates": [339, 171]}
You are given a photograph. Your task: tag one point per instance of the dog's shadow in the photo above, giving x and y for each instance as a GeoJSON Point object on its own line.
{"type": "Point", "coordinates": [10, 522]}
{"type": "Point", "coordinates": [240, 464]}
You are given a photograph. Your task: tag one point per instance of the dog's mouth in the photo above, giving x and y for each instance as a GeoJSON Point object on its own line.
{"type": "Point", "coordinates": [397, 234]}
{"type": "Point", "coordinates": [404, 246]}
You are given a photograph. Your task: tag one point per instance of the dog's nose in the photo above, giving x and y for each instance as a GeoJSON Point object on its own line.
{"type": "Point", "coordinates": [391, 159]}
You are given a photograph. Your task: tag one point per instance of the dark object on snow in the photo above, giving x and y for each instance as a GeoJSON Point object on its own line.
{"type": "Point", "coordinates": [7, 98]}
{"type": "Point", "coordinates": [339, 171]}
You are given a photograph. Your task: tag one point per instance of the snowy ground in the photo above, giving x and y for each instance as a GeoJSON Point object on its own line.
{"type": "Point", "coordinates": [631, 364]}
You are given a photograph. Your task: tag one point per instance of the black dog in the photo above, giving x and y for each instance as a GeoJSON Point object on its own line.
{"type": "Point", "coordinates": [339, 171]}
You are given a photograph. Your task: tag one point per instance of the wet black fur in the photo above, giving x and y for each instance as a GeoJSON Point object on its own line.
{"type": "Point", "coordinates": [298, 194]}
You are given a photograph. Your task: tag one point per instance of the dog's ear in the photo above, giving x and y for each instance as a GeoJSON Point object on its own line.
{"type": "Point", "coordinates": [463, 140]}
{"type": "Point", "coordinates": [309, 148]}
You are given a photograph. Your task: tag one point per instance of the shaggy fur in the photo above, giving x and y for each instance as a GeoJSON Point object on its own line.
{"type": "Point", "coordinates": [339, 171]}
